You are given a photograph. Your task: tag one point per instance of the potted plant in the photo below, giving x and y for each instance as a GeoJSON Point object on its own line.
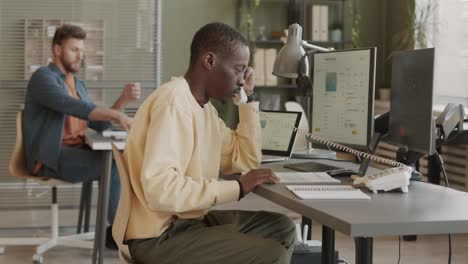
{"type": "Point", "coordinates": [247, 23]}
{"type": "Point", "coordinates": [336, 32]}
{"type": "Point", "coordinates": [355, 23]}
{"type": "Point", "coordinates": [415, 34]}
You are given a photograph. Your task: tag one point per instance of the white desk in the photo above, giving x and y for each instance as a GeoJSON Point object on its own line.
{"type": "Point", "coordinates": [99, 143]}
{"type": "Point", "coordinates": [426, 209]}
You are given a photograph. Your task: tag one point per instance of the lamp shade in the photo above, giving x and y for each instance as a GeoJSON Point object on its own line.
{"type": "Point", "coordinates": [286, 63]}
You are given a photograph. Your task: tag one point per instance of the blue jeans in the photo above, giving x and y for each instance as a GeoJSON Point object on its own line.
{"type": "Point", "coordinates": [82, 165]}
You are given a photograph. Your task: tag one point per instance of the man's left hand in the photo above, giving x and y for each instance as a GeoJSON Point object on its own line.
{"type": "Point", "coordinates": [131, 92]}
{"type": "Point", "coordinates": [249, 79]}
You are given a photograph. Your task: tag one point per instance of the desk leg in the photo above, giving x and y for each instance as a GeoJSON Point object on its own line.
{"type": "Point", "coordinates": [102, 207]}
{"type": "Point", "coordinates": [307, 221]}
{"type": "Point", "coordinates": [328, 245]}
{"type": "Point", "coordinates": [364, 249]}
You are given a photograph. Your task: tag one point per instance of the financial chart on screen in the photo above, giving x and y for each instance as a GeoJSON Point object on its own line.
{"type": "Point", "coordinates": [343, 96]}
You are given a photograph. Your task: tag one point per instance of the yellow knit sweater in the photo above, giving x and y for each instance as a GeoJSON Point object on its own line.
{"type": "Point", "coordinates": [174, 153]}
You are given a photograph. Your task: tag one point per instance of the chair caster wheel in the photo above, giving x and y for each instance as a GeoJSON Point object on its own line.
{"type": "Point", "coordinates": [38, 259]}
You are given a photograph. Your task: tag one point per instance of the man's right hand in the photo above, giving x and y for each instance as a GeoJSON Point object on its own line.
{"type": "Point", "coordinates": [124, 121]}
{"type": "Point", "coordinates": [109, 114]}
{"type": "Point", "coordinates": [256, 177]}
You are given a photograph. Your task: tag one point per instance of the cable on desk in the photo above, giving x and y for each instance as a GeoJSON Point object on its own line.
{"type": "Point", "coordinates": [441, 163]}
{"type": "Point", "coordinates": [450, 249]}
{"type": "Point", "coordinates": [399, 249]}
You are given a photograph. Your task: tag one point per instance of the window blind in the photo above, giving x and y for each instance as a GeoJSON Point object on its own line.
{"type": "Point", "coordinates": [122, 45]}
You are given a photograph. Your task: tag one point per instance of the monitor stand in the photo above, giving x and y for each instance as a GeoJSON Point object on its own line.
{"type": "Point", "coordinates": [311, 153]}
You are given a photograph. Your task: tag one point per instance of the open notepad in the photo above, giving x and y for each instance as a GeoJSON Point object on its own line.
{"type": "Point", "coordinates": [327, 192]}
{"type": "Point", "coordinates": [305, 177]}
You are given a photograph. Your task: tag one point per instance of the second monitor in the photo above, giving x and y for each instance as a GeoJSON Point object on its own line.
{"type": "Point", "coordinates": [411, 124]}
{"type": "Point", "coordinates": [343, 96]}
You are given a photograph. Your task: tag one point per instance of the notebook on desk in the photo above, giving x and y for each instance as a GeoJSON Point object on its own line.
{"type": "Point", "coordinates": [279, 129]}
{"type": "Point", "coordinates": [326, 192]}
{"type": "Point", "coordinates": [305, 178]}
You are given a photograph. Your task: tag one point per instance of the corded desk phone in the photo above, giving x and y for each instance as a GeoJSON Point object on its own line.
{"type": "Point", "coordinates": [386, 180]}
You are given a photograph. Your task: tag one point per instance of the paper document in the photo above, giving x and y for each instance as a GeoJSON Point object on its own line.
{"type": "Point", "coordinates": [115, 133]}
{"type": "Point", "coordinates": [327, 192]}
{"type": "Point", "coordinates": [306, 177]}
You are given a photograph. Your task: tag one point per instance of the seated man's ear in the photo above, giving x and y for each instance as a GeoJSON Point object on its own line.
{"type": "Point", "coordinates": [57, 49]}
{"type": "Point", "coordinates": [209, 60]}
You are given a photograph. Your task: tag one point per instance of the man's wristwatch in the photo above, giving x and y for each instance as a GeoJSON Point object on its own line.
{"type": "Point", "coordinates": [251, 98]}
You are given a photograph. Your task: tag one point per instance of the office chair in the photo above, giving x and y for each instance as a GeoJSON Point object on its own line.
{"type": "Point", "coordinates": [17, 167]}
{"type": "Point", "coordinates": [119, 226]}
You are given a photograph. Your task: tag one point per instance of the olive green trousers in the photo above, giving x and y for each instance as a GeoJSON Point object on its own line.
{"type": "Point", "coordinates": [221, 237]}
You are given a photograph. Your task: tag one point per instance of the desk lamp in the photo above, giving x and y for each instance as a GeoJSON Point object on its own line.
{"type": "Point", "coordinates": [292, 63]}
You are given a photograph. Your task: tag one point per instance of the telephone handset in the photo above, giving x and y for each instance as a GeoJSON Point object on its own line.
{"type": "Point", "coordinates": [385, 180]}
{"type": "Point", "coordinates": [241, 97]}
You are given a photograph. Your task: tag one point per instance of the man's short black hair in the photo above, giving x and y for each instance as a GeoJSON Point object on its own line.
{"type": "Point", "coordinates": [67, 31]}
{"type": "Point", "coordinates": [216, 37]}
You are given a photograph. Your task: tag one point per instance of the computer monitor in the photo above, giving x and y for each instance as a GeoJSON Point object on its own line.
{"type": "Point", "coordinates": [411, 123]}
{"type": "Point", "coordinates": [343, 96]}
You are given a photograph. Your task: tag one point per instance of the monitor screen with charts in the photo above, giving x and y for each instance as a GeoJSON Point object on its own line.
{"type": "Point", "coordinates": [279, 130]}
{"type": "Point", "coordinates": [343, 96]}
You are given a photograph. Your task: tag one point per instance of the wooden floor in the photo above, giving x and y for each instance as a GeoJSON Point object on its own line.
{"type": "Point", "coordinates": [426, 250]}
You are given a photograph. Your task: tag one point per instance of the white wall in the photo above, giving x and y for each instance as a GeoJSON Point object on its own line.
{"type": "Point", "coordinates": [181, 19]}
{"type": "Point", "coordinates": [451, 42]}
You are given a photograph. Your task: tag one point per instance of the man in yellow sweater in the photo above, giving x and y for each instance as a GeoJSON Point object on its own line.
{"type": "Point", "coordinates": [175, 150]}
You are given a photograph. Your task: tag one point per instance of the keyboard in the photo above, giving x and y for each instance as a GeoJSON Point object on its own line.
{"type": "Point", "coordinates": [311, 166]}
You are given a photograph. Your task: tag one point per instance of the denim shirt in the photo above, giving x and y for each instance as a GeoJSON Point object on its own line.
{"type": "Point", "coordinates": [47, 102]}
